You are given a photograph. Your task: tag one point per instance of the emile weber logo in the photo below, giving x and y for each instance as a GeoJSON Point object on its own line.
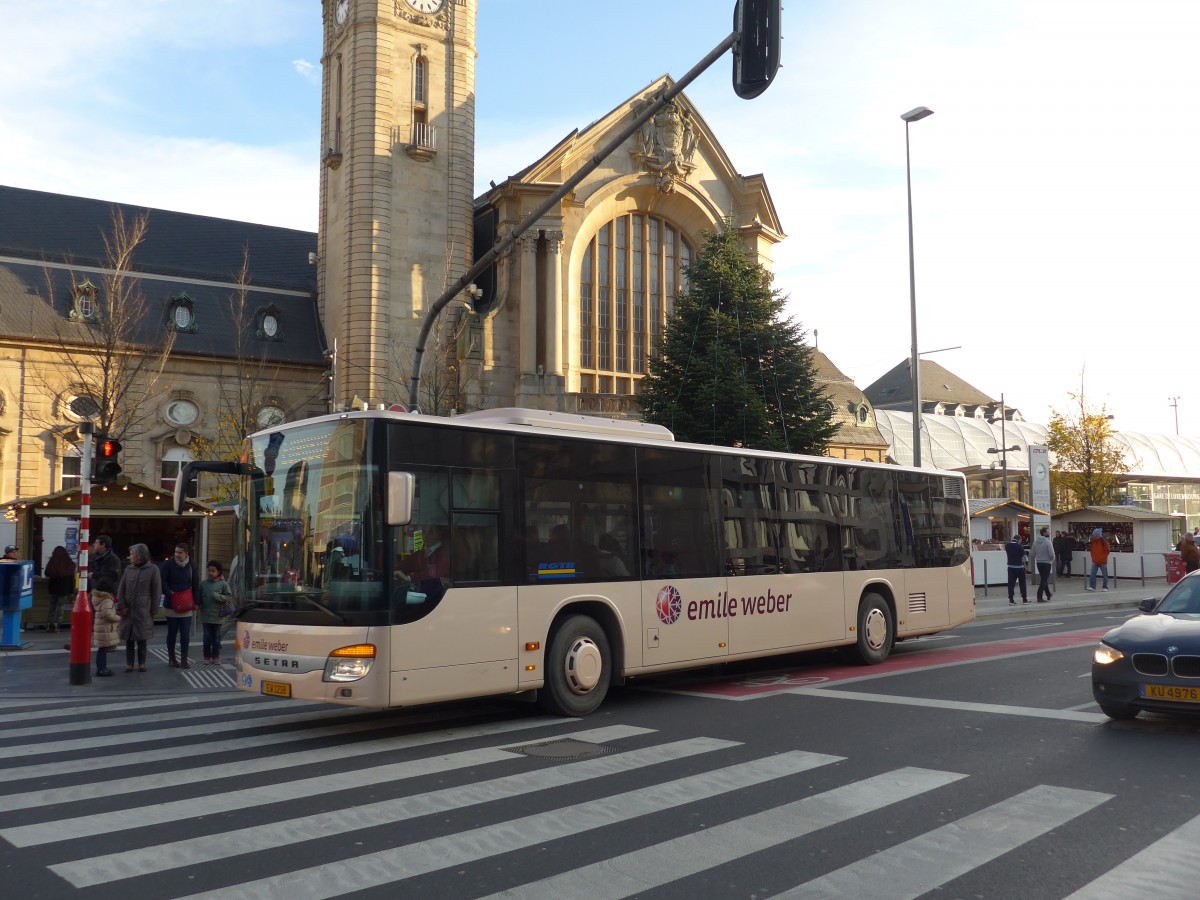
{"type": "Point", "coordinates": [249, 643]}
{"type": "Point", "coordinates": [670, 606]}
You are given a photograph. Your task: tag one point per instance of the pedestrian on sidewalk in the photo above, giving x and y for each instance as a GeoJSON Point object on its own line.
{"type": "Point", "coordinates": [105, 622]}
{"type": "Point", "coordinates": [1043, 558]}
{"type": "Point", "coordinates": [1100, 549]}
{"type": "Point", "coordinates": [214, 594]}
{"type": "Point", "coordinates": [181, 590]}
{"type": "Point", "coordinates": [60, 585]}
{"type": "Point", "coordinates": [1190, 553]}
{"type": "Point", "coordinates": [139, 592]}
{"type": "Point", "coordinates": [1016, 568]}
{"type": "Point", "coordinates": [1064, 548]}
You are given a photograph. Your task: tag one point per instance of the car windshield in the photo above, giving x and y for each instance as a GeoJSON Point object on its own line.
{"type": "Point", "coordinates": [1184, 598]}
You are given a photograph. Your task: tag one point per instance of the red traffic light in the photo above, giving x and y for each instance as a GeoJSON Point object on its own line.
{"type": "Point", "coordinates": [107, 466]}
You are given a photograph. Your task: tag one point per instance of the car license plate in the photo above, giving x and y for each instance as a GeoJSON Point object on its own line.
{"type": "Point", "coordinates": [277, 689]}
{"type": "Point", "coordinates": [1171, 692]}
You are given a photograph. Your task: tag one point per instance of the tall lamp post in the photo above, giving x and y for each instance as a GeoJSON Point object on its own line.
{"type": "Point", "coordinates": [913, 115]}
{"type": "Point", "coordinates": [1004, 449]}
{"type": "Point", "coordinates": [1175, 403]}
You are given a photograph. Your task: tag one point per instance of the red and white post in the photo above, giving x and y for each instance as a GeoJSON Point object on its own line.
{"type": "Point", "coordinates": [81, 612]}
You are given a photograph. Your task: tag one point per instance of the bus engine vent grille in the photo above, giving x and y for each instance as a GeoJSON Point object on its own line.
{"type": "Point", "coordinates": [566, 748]}
{"type": "Point", "coordinates": [917, 603]}
{"type": "Point", "coordinates": [952, 487]}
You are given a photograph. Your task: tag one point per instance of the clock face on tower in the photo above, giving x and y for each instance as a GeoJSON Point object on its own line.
{"type": "Point", "coordinates": [428, 7]}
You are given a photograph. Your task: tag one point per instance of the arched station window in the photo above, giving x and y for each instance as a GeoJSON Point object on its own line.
{"type": "Point", "coordinates": [628, 279]}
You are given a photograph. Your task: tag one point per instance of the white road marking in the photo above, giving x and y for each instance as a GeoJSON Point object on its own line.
{"type": "Point", "coordinates": [395, 864]}
{"type": "Point", "coordinates": [642, 870]}
{"type": "Point", "coordinates": [1168, 869]}
{"type": "Point", "coordinates": [148, 781]}
{"type": "Point", "coordinates": [1030, 711]}
{"type": "Point", "coordinates": [927, 862]}
{"type": "Point", "coordinates": [213, 848]}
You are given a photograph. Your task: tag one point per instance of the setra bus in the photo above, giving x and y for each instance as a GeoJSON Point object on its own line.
{"type": "Point", "coordinates": [389, 559]}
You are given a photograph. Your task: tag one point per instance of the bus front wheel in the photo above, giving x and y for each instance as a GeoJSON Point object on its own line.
{"type": "Point", "coordinates": [578, 668]}
{"type": "Point", "coordinates": [876, 632]}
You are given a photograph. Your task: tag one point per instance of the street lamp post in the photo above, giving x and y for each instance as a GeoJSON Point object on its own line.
{"type": "Point", "coordinates": [913, 115]}
{"type": "Point", "coordinates": [1004, 449]}
{"type": "Point", "coordinates": [1175, 403]}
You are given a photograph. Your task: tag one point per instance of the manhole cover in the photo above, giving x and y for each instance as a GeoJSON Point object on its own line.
{"type": "Point", "coordinates": [563, 749]}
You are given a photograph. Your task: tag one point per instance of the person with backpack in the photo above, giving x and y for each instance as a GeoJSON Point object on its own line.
{"type": "Point", "coordinates": [180, 593]}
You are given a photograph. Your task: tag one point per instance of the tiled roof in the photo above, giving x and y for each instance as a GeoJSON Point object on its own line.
{"type": "Point", "coordinates": [893, 390]}
{"type": "Point", "coordinates": [846, 399]}
{"type": "Point", "coordinates": [47, 240]}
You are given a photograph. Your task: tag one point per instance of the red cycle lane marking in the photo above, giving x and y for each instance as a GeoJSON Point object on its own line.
{"type": "Point", "coordinates": [776, 682]}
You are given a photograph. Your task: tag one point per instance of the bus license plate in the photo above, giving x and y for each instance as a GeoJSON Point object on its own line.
{"type": "Point", "coordinates": [276, 689]}
{"type": "Point", "coordinates": [1170, 692]}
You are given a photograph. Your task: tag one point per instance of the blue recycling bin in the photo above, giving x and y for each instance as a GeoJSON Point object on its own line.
{"type": "Point", "coordinates": [16, 594]}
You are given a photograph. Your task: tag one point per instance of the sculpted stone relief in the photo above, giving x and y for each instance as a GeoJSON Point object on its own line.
{"type": "Point", "coordinates": [666, 144]}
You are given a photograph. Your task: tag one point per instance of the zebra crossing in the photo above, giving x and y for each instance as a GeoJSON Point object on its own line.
{"type": "Point", "coordinates": [200, 676]}
{"type": "Point", "coordinates": [243, 797]}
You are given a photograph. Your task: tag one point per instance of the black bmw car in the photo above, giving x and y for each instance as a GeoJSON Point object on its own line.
{"type": "Point", "coordinates": [1152, 661]}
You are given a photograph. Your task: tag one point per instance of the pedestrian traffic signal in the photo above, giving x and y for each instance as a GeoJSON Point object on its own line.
{"type": "Point", "coordinates": [107, 465]}
{"type": "Point", "coordinates": [756, 53]}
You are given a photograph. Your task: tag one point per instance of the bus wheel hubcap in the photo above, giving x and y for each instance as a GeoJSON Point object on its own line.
{"type": "Point", "coordinates": [875, 629]}
{"type": "Point", "coordinates": [583, 665]}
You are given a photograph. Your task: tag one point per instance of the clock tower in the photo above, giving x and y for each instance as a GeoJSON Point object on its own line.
{"type": "Point", "coordinates": [397, 173]}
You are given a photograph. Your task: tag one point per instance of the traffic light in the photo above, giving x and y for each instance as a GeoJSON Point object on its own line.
{"type": "Point", "coordinates": [756, 54]}
{"type": "Point", "coordinates": [107, 465]}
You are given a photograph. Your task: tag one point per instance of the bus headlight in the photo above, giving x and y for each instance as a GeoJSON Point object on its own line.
{"type": "Point", "coordinates": [349, 663]}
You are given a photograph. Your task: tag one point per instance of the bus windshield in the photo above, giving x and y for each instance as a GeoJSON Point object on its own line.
{"type": "Point", "coordinates": [313, 532]}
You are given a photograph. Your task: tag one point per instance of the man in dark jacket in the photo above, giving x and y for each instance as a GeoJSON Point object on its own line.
{"type": "Point", "coordinates": [104, 562]}
{"type": "Point", "coordinates": [1016, 568]}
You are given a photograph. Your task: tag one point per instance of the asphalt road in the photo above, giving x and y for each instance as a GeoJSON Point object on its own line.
{"type": "Point", "coordinates": [971, 765]}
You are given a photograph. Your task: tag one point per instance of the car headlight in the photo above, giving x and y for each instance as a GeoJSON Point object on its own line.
{"type": "Point", "coordinates": [349, 663]}
{"type": "Point", "coordinates": [1104, 654]}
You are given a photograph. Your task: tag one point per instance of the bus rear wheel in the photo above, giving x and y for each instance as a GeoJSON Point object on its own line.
{"type": "Point", "coordinates": [876, 631]}
{"type": "Point", "coordinates": [578, 668]}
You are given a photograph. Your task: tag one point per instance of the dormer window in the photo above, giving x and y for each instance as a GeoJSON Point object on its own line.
{"type": "Point", "coordinates": [182, 315]}
{"type": "Point", "coordinates": [269, 325]}
{"type": "Point", "coordinates": [863, 416]}
{"type": "Point", "coordinates": [84, 305]}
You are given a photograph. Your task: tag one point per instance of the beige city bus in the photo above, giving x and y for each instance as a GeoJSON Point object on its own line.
{"type": "Point", "coordinates": [389, 559]}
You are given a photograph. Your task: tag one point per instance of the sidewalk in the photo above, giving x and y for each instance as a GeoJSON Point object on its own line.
{"type": "Point", "coordinates": [42, 671]}
{"type": "Point", "coordinates": [1069, 596]}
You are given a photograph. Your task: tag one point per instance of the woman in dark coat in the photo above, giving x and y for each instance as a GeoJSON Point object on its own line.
{"type": "Point", "coordinates": [60, 585]}
{"type": "Point", "coordinates": [139, 592]}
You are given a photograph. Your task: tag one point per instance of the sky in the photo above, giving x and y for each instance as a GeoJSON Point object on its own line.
{"type": "Point", "coordinates": [1055, 189]}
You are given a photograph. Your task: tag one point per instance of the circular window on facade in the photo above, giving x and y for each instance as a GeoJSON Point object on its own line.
{"type": "Point", "coordinates": [270, 325]}
{"type": "Point", "coordinates": [270, 416]}
{"type": "Point", "coordinates": [183, 317]}
{"type": "Point", "coordinates": [83, 407]}
{"type": "Point", "coordinates": [182, 412]}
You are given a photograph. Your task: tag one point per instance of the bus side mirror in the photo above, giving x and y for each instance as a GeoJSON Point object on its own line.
{"type": "Point", "coordinates": [400, 488]}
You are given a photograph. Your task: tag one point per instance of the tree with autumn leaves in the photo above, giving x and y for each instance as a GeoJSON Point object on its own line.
{"type": "Point", "coordinates": [1088, 459]}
